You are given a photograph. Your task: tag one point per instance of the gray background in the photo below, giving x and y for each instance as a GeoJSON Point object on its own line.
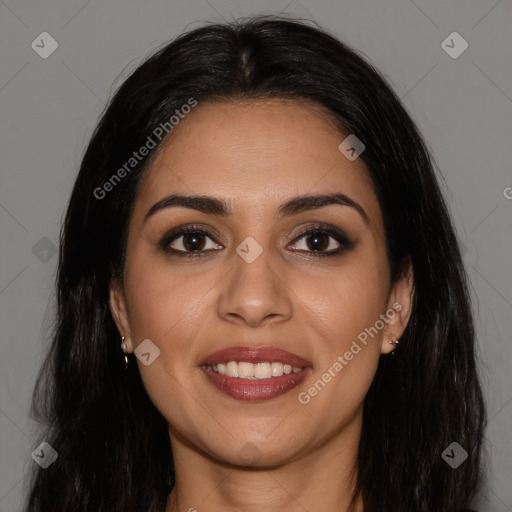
{"type": "Point", "coordinates": [49, 107]}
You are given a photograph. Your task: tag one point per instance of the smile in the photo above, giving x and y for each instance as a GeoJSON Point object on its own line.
{"type": "Point", "coordinates": [253, 388]}
{"type": "Point", "coordinates": [244, 370]}
{"type": "Point", "coordinates": [252, 374]}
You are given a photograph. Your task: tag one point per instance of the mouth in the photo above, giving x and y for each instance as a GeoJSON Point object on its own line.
{"type": "Point", "coordinates": [251, 374]}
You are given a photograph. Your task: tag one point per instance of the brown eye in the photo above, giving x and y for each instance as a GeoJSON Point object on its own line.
{"type": "Point", "coordinates": [193, 241]}
{"type": "Point", "coordinates": [318, 241]}
{"type": "Point", "coordinates": [188, 242]}
{"type": "Point", "coordinates": [322, 241]}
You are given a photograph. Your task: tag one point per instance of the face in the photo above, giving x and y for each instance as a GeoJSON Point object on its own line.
{"type": "Point", "coordinates": [262, 276]}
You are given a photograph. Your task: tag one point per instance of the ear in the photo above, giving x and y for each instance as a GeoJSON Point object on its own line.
{"type": "Point", "coordinates": [119, 311]}
{"type": "Point", "coordinates": [399, 306]}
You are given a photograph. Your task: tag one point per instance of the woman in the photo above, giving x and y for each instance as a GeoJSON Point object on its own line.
{"type": "Point", "coordinates": [257, 224]}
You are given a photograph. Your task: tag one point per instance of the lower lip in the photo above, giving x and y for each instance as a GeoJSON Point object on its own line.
{"type": "Point", "coordinates": [255, 389]}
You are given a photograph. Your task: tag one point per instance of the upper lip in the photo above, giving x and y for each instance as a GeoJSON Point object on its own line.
{"type": "Point", "coordinates": [254, 355]}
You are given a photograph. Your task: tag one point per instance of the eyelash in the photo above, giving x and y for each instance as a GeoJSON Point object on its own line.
{"type": "Point", "coordinates": [323, 229]}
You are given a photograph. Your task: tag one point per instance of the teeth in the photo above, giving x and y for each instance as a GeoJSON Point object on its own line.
{"type": "Point", "coordinates": [277, 369]}
{"type": "Point", "coordinates": [232, 369]}
{"type": "Point", "coordinates": [263, 370]}
{"type": "Point", "coordinates": [245, 370]}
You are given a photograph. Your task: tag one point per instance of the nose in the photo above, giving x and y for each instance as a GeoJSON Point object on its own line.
{"type": "Point", "coordinates": [255, 294]}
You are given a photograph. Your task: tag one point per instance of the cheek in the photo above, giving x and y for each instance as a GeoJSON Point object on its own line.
{"type": "Point", "coordinates": [170, 305]}
{"type": "Point", "coordinates": [173, 307]}
{"type": "Point", "coordinates": [167, 309]}
{"type": "Point", "coordinates": [163, 299]}
{"type": "Point", "coordinates": [349, 300]}
{"type": "Point", "coordinates": [349, 353]}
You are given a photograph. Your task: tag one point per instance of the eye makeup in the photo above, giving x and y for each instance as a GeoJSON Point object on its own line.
{"type": "Point", "coordinates": [193, 236]}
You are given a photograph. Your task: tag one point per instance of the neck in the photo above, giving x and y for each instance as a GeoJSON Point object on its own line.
{"type": "Point", "coordinates": [321, 479]}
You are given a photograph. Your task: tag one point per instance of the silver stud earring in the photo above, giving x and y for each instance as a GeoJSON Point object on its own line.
{"type": "Point", "coordinates": [395, 343]}
{"type": "Point", "coordinates": [123, 347]}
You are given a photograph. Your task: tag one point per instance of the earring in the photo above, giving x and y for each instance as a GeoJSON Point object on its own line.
{"type": "Point", "coordinates": [123, 347]}
{"type": "Point", "coordinates": [395, 343]}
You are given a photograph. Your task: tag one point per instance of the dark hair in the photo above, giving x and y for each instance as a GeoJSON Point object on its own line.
{"type": "Point", "coordinates": [113, 445]}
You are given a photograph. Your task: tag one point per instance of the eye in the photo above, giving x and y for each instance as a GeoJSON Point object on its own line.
{"type": "Point", "coordinates": [188, 241]}
{"type": "Point", "coordinates": [317, 241]}
{"type": "Point", "coordinates": [322, 241]}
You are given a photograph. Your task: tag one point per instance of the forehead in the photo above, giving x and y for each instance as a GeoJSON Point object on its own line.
{"type": "Point", "coordinates": [252, 153]}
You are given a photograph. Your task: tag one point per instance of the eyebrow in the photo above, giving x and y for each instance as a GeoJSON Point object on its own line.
{"type": "Point", "coordinates": [216, 206]}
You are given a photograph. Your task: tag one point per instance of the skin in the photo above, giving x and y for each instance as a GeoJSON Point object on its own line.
{"type": "Point", "coordinates": [256, 155]}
